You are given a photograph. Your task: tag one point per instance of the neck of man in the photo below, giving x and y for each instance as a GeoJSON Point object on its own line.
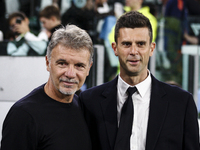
{"type": "Point", "coordinates": [50, 90]}
{"type": "Point", "coordinates": [134, 79]}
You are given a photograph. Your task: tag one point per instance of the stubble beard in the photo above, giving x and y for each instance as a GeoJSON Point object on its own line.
{"type": "Point", "coordinates": [63, 88]}
{"type": "Point", "coordinates": [67, 93]}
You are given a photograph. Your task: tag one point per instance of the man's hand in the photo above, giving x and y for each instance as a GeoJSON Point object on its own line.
{"type": "Point", "coordinates": [22, 28]}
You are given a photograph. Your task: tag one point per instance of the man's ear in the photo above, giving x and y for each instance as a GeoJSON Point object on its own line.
{"type": "Point", "coordinates": [152, 48]}
{"type": "Point", "coordinates": [114, 46]}
{"type": "Point", "coordinates": [47, 63]}
{"type": "Point", "coordinates": [89, 68]}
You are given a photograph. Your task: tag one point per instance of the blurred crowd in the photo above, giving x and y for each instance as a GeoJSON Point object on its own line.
{"type": "Point", "coordinates": [26, 27]}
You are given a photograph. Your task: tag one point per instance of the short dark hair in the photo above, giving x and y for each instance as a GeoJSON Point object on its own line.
{"type": "Point", "coordinates": [50, 11]}
{"type": "Point", "coordinates": [133, 19]}
{"type": "Point", "coordinates": [16, 14]}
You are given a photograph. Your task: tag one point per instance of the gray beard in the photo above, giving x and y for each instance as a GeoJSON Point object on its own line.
{"type": "Point", "coordinates": [67, 93]}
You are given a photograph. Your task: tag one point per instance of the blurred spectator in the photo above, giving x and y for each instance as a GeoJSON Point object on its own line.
{"type": "Point", "coordinates": [102, 6]}
{"type": "Point", "coordinates": [81, 14]}
{"type": "Point", "coordinates": [175, 25]}
{"type": "Point", "coordinates": [50, 19]}
{"type": "Point", "coordinates": [193, 7]}
{"type": "Point", "coordinates": [24, 42]}
{"type": "Point", "coordinates": [63, 5]}
{"type": "Point", "coordinates": [88, 15]}
{"type": "Point", "coordinates": [193, 20]}
{"type": "Point", "coordinates": [31, 9]}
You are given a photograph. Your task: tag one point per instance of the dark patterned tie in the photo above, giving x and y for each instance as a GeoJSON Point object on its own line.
{"type": "Point", "coordinates": [126, 121]}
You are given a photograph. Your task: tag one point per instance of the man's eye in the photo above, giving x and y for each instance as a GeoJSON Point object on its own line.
{"type": "Point", "coordinates": [80, 65]}
{"type": "Point", "coordinates": [61, 63]}
{"type": "Point", "coordinates": [141, 43]}
{"type": "Point", "coordinates": [126, 43]}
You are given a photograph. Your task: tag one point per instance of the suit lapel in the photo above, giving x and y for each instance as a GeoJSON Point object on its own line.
{"type": "Point", "coordinates": [157, 113]}
{"type": "Point", "coordinates": [109, 109]}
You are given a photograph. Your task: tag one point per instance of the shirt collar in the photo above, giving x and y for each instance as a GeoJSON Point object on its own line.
{"type": "Point", "coordinates": [142, 87]}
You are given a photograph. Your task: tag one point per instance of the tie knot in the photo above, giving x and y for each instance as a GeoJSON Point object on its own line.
{"type": "Point", "coordinates": [131, 90]}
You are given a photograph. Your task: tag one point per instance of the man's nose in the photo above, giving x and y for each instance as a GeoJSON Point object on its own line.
{"type": "Point", "coordinates": [133, 49]}
{"type": "Point", "coordinates": [70, 72]}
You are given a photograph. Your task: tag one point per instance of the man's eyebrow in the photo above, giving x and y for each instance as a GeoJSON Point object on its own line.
{"type": "Point", "coordinates": [125, 42]}
{"type": "Point", "coordinates": [141, 41]}
{"type": "Point", "coordinates": [59, 60]}
{"type": "Point", "coordinates": [80, 63]}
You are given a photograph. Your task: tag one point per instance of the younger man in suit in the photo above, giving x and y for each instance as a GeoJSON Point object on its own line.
{"type": "Point", "coordinates": [161, 116]}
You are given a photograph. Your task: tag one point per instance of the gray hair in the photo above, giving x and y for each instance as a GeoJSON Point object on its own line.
{"type": "Point", "coordinates": [71, 37]}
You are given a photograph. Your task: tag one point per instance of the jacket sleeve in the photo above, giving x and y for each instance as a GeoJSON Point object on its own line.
{"type": "Point", "coordinates": [191, 127]}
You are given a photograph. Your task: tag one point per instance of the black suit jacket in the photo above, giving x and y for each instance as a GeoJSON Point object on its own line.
{"type": "Point", "coordinates": [172, 123]}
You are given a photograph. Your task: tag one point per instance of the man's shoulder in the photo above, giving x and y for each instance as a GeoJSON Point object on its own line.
{"type": "Point", "coordinates": [172, 90]}
{"type": "Point", "coordinates": [171, 93]}
{"type": "Point", "coordinates": [30, 99]}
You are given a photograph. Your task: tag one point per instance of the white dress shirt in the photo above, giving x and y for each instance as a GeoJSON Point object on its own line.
{"type": "Point", "coordinates": [141, 99]}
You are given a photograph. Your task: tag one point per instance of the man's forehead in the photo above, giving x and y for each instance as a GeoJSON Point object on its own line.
{"type": "Point", "coordinates": [64, 52]}
{"type": "Point", "coordinates": [134, 28]}
{"type": "Point", "coordinates": [130, 32]}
